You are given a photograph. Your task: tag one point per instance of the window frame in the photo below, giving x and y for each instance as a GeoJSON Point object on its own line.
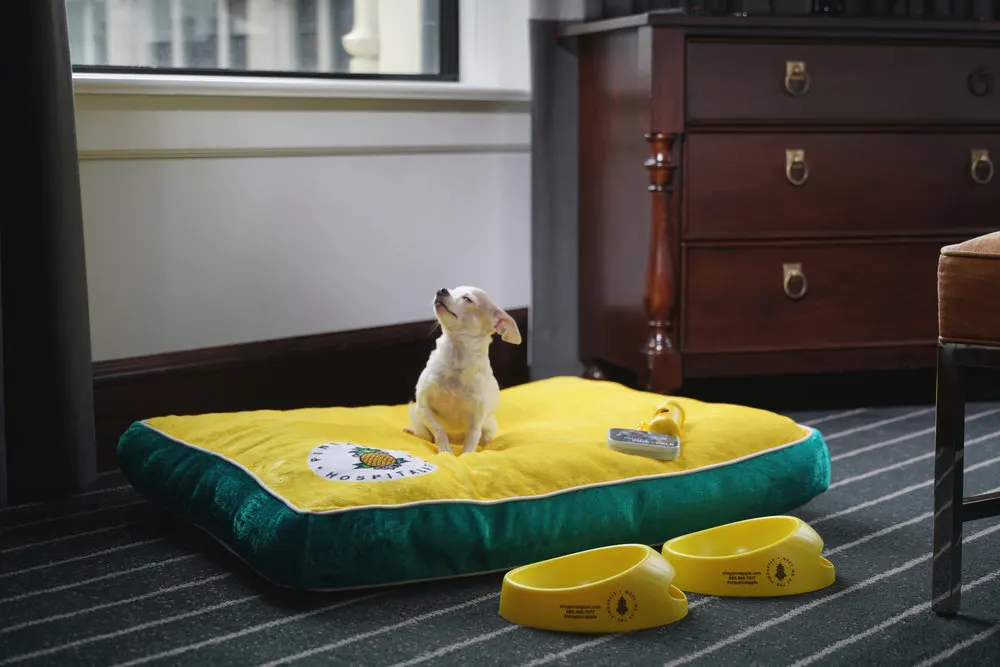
{"type": "Point", "coordinates": [448, 72]}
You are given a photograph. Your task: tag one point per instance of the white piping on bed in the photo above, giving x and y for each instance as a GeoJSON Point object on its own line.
{"type": "Point", "coordinates": [471, 501]}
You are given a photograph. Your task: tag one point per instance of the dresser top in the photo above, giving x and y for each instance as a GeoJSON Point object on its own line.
{"type": "Point", "coordinates": [811, 26]}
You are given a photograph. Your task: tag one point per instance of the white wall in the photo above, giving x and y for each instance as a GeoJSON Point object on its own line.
{"type": "Point", "coordinates": [243, 211]}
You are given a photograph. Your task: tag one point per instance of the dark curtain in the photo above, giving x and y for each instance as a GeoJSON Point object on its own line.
{"type": "Point", "coordinates": [48, 442]}
{"type": "Point", "coordinates": [554, 250]}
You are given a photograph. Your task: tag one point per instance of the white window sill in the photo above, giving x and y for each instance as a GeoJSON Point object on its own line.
{"type": "Point", "coordinates": [240, 86]}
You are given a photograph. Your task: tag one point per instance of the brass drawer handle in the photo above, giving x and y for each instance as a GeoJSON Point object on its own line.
{"type": "Point", "coordinates": [796, 168]}
{"type": "Point", "coordinates": [794, 282]}
{"type": "Point", "coordinates": [980, 83]}
{"type": "Point", "coordinates": [796, 78]}
{"type": "Point", "coordinates": [981, 166]}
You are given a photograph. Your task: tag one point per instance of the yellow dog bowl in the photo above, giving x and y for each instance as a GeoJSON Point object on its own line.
{"type": "Point", "coordinates": [610, 589]}
{"type": "Point", "coordinates": [768, 556]}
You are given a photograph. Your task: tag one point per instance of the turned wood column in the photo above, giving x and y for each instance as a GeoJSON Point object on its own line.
{"type": "Point", "coordinates": [362, 42]}
{"type": "Point", "coordinates": [222, 34]}
{"type": "Point", "coordinates": [663, 362]}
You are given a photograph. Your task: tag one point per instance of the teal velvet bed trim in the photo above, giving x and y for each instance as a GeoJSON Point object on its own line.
{"type": "Point", "coordinates": [371, 547]}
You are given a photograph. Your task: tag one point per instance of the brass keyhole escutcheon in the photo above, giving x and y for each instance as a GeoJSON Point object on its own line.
{"type": "Point", "coordinates": [796, 167]}
{"type": "Point", "coordinates": [981, 166]}
{"type": "Point", "coordinates": [797, 79]}
{"type": "Point", "coordinates": [794, 281]}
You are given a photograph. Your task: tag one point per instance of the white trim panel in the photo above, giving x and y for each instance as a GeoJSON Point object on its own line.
{"type": "Point", "coordinates": [247, 86]}
{"type": "Point", "coordinates": [102, 132]}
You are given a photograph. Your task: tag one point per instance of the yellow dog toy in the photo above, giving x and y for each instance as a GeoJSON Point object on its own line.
{"type": "Point", "coordinates": [658, 438]}
{"type": "Point", "coordinates": [668, 418]}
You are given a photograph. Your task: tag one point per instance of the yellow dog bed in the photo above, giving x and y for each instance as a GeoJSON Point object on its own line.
{"type": "Point", "coordinates": [329, 498]}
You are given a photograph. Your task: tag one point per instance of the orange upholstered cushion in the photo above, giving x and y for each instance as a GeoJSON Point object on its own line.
{"type": "Point", "coordinates": [969, 291]}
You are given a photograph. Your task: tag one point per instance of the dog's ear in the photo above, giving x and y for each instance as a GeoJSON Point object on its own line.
{"type": "Point", "coordinates": [505, 325]}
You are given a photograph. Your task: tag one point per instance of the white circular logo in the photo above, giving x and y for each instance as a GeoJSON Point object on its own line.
{"type": "Point", "coordinates": [347, 462]}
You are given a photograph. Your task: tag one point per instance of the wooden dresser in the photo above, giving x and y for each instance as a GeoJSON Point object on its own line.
{"type": "Point", "coordinates": [769, 195]}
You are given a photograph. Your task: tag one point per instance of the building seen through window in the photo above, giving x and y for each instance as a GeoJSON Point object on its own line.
{"type": "Point", "coordinates": [369, 38]}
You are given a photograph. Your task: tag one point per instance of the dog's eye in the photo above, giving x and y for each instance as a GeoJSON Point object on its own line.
{"type": "Point", "coordinates": [465, 298]}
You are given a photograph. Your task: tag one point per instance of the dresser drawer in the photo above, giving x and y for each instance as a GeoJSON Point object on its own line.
{"type": "Point", "coordinates": [835, 296]}
{"type": "Point", "coordinates": [729, 82]}
{"type": "Point", "coordinates": [745, 186]}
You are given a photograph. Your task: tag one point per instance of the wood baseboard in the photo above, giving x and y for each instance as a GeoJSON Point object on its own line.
{"type": "Point", "coordinates": [374, 366]}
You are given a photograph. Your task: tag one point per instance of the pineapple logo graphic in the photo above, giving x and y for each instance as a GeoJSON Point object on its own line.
{"type": "Point", "coordinates": [369, 457]}
{"type": "Point", "coordinates": [622, 605]}
{"type": "Point", "coordinates": [351, 462]}
{"type": "Point", "coordinates": [780, 571]}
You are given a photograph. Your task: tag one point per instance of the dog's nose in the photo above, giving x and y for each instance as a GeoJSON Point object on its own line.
{"type": "Point", "coordinates": [442, 292]}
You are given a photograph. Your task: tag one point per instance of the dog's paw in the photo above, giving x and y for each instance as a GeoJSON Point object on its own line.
{"type": "Point", "coordinates": [409, 431]}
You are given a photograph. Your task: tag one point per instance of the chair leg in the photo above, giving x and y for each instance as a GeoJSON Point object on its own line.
{"type": "Point", "coordinates": [949, 445]}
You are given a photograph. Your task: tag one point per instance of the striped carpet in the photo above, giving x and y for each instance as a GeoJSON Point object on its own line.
{"type": "Point", "coordinates": [103, 579]}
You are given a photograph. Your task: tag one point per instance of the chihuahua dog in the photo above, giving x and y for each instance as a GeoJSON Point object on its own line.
{"type": "Point", "coordinates": [457, 393]}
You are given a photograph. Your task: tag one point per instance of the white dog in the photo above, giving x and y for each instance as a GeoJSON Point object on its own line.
{"type": "Point", "coordinates": [456, 393]}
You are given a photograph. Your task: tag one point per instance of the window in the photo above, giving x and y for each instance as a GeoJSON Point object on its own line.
{"type": "Point", "coordinates": [394, 39]}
